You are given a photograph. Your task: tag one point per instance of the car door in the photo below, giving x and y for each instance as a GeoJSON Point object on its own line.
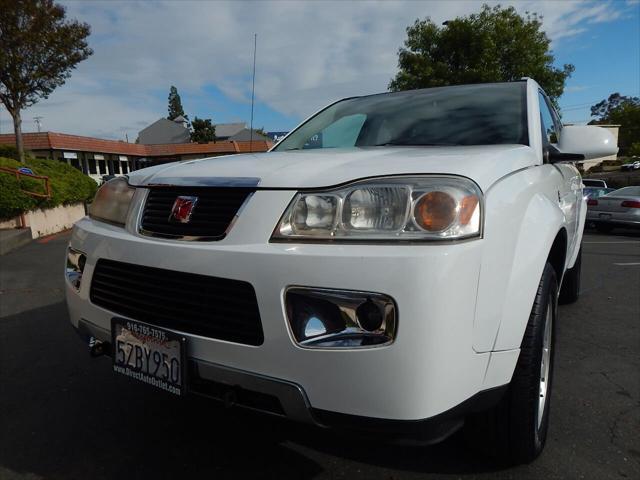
{"type": "Point", "coordinates": [570, 190]}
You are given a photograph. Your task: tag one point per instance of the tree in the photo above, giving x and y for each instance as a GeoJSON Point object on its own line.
{"type": "Point", "coordinates": [602, 110]}
{"type": "Point", "coordinates": [39, 49]}
{"type": "Point", "coordinates": [202, 130]}
{"type": "Point", "coordinates": [624, 111]}
{"type": "Point", "coordinates": [494, 45]}
{"type": "Point", "coordinates": [175, 104]}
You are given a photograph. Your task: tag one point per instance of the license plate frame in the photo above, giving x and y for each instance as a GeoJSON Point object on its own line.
{"type": "Point", "coordinates": [150, 340]}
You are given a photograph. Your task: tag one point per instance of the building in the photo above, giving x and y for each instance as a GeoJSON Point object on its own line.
{"type": "Point", "coordinates": [165, 131]}
{"type": "Point", "coordinates": [97, 157]}
{"type": "Point", "coordinates": [238, 132]}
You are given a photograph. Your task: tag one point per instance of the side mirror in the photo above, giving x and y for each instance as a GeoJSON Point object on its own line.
{"type": "Point", "coordinates": [583, 142]}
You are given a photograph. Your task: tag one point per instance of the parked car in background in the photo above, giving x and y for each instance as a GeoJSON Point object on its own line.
{"type": "Point", "coordinates": [620, 208]}
{"type": "Point", "coordinates": [106, 178]}
{"type": "Point", "coordinates": [590, 194]}
{"type": "Point", "coordinates": [631, 166]}
{"type": "Point", "coordinates": [392, 265]}
{"type": "Point", "coordinates": [593, 182]}
{"type": "Point", "coordinates": [595, 192]}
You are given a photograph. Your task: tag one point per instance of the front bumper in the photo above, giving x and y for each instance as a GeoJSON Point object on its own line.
{"type": "Point", "coordinates": [429, 368]}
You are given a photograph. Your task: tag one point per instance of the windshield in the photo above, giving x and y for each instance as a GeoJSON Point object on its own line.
{"type": "Point", "coordinates": [626, 191]}
{"type": "Point", "coordinates": [485, 114]}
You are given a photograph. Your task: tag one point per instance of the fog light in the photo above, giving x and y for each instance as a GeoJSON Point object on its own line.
{"type": "Point", "coordinates": [76, 261]}
{"type": "Point", "coordinates": [326, 318]}
{"type": "Point", "coordinates": [369, 315]}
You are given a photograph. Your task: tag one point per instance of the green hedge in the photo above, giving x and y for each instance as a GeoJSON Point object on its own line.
{"type": "Point", "coordinates": [9, 151]}
{"type": "Point", "coordinates": [68, 185]}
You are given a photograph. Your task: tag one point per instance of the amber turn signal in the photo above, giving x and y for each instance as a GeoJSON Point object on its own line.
{"type": "Point", "coordinates": [435, 211]}
{"type": "Point", "coordinates": [467, 207]}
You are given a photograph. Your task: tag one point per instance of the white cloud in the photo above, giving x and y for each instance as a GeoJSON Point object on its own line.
{"type": "Point", "coordinates": [309, 53]}
{"type": "Point", "coordinates": [576, 88]}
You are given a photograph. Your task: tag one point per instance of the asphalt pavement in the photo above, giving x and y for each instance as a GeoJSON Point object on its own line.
{"type": "Point", "coordinates": [64, 415]}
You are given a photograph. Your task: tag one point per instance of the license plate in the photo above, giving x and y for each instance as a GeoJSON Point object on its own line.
{"type": "Point", "coordinates": [149, 354]}
{"type": "Point", "coordinates": [605, 216]}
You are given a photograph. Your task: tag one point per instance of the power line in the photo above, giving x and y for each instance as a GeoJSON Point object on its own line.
{"type": "Point", "coordinates": [593, 102]}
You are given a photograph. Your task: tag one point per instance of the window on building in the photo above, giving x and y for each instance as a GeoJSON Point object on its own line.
{"type": "Point", "coordinates": [125, 167]}
{"type": "Point", "coordinates": [92, 166]}
{"type": "Point", "coordinates": [75, 163]}
{"type": "Point", "coordinates": [102, 165]}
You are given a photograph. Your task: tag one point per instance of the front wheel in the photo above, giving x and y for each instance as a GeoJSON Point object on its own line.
{"type": "Point", "coordinates": [515, 430]}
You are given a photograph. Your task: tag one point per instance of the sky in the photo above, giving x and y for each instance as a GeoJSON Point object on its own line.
{"type": "Point", "coordinates": [308, 54]}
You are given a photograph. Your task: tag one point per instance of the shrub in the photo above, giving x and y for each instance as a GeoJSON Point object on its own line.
{"type": "Point", "coordinates": [634, 149]}
{"type": "Point", "coordinates": [12, 201]}
{"type": "Point", "coordinates": [68, 185]}
{"type": "Point", "coordinates": [9, 151]}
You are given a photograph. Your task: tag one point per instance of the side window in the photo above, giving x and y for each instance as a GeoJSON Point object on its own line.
{"type": "Point", "coordinates": [546, 119]}
{"type": "Point", "coordinates": [342, 133]}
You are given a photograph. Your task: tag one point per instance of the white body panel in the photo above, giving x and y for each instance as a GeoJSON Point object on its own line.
{"type": "Point", "coordinates": [325, 167]}
{"type": "Point", "coordinates": [463, 306]}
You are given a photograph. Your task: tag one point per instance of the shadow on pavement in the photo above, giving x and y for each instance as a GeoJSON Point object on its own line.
{"type": "Point", "coordinates": [633, 233]}
{"type": "Point", "coordinates": [66, 415]}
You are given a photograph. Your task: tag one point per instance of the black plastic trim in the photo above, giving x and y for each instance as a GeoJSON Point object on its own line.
{"type": "Point", "coordinates": [430, 430]}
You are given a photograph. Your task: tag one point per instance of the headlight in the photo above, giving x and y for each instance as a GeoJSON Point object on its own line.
{"type": "Point", "coordinates": [112, 201]}
{"type": "Point", "coordinates": [391, 208]}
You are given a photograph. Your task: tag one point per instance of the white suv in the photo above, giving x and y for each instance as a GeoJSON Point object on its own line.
{"type": "Point", "coordinates": [392, 265]}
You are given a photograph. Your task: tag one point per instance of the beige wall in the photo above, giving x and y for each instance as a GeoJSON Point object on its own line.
{"type": "Point", "coordinates": [48, 221]}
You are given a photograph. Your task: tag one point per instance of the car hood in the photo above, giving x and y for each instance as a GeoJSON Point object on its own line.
{"type": "Point", "coordinates": [301, 169]}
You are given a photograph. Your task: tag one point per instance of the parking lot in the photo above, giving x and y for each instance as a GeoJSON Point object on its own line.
{"type": "Point", "coordinates": [64, 415]}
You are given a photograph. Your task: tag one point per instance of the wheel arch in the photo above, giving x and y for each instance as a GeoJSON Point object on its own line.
{"type": "Point", "coordinates": [521, 236]}
{"type": "Point", "coordinates": [558, 254]}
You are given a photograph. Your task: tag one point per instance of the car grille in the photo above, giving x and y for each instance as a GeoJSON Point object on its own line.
{"type": "Point", "coordinates": [210, 219]}
{"type": "Point", "coordinates": [196, 304]}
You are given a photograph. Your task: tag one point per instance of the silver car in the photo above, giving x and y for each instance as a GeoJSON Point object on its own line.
{"type": "Point", "coordinates": [620, 208]}
{"type": "Point", "coordinates": [631, 166]}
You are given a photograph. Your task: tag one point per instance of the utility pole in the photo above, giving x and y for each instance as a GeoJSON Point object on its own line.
{"type": "Point", "coordinates": [253, 90]}
{"type": "Point", "coordinates": [37, 120]}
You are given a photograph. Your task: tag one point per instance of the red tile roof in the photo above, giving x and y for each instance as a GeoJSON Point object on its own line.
{"type": "Point", "coordinates": [63, 141]}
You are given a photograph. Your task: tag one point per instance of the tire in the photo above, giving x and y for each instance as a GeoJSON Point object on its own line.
{"type": "Point", "coordinates": [570, 290]}
{"type": "Point", "coordinates": [604, 228]}
{"type": "Point", "coordinates": [515, 431]}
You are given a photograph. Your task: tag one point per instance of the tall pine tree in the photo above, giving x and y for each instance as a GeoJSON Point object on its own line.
{"type": "Point", "coordinates": [175, 104]}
